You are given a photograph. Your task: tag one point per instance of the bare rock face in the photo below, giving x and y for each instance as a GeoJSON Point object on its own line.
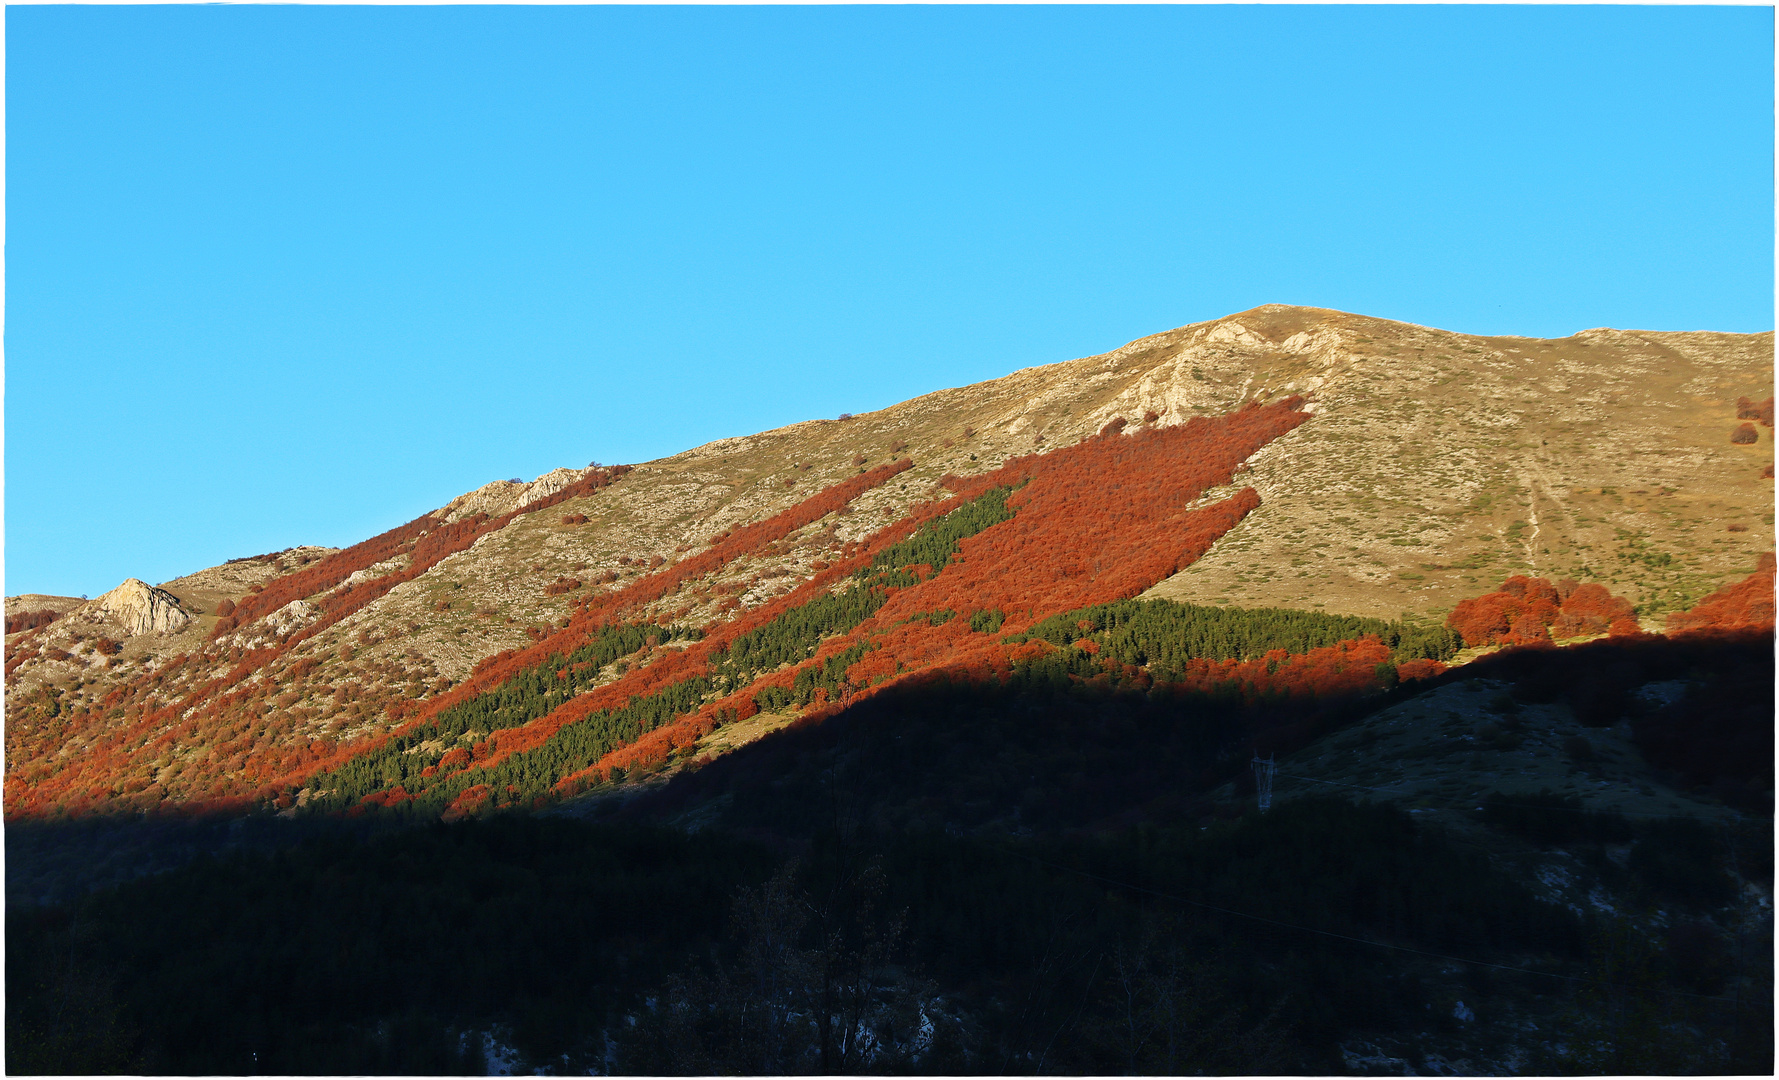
{"type": "Point", "coordinates": [137, 607]}
{"type": "Point", "coordinates": [502, 496]}
{"type": "Point", "coordinates": [373, 572]}
{"type": "Point", "coordinates": [292, 616]}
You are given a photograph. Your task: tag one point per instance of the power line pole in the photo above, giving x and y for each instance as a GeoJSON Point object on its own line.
{"type": "Point", "coordinates": [1263, 771]}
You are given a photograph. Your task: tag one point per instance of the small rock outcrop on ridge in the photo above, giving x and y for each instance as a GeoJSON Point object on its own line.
{"type": "Point", "coordinates": [138, 608]}
{"type": "Point", "coordinates": [503, 496]}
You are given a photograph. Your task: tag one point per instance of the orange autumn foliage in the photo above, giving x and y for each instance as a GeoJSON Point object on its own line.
{"type": "Point", "coordinates": [671, 665]}
{"type": "Point", "coordinates": [1099, 521]}
{"type": "Point", "coordinates": [1748, 409]}
{"type": "Point", "coordinates": [1410, 670]}
{"type": "Point", "coordinates": [118, 749]}
{"type": "Point", "coordinates": [1528, 610]}
{"type": "Point", "coordinates": [1748, 604]}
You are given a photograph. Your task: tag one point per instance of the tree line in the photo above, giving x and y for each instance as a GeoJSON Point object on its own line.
{"type": "Point", "coordinates": [1161, 635]}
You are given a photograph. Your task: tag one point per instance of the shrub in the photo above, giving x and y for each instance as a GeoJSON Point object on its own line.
{"type": "Point", "coordinates": [1744, 435]}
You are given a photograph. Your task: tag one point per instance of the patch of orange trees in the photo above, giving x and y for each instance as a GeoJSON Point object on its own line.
{"type": "Point", "coordinates": [1529, 610]}
{"type": "Point", "coordinates": [1746, 605]}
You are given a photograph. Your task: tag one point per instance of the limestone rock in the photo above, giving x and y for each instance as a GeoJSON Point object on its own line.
{"type": "Point", "coordinates": [292, 616]}
{"type": "Point", "coordinates": [137, 607]}
{"type": "Point", "coordinates": [371, 573]}
{"type": "Point", "coordinates": [501, 496]}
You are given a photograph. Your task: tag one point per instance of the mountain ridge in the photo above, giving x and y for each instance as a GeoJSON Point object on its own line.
{"type": "Point", "coordinates": [1411, 488]}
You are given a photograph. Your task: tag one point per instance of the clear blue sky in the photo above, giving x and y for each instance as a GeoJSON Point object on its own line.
{"type": "Point", "coordinates": [282, 275]}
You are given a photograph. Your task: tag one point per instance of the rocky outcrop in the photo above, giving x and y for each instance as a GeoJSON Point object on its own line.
{"type": "Point", "coordinates": [136, 607]}
{"type": "Point", "coordinates": [371, 573]}
{"type": "Point", "coordinates": [498, 497]}
{"type": "Point", "coordinates": [292, 616]}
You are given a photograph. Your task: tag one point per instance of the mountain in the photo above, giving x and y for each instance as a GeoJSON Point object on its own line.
{"type": "Point", "coordinates": [1436, 465]}
{"type": "Point", "coordinates": [1047, 609]}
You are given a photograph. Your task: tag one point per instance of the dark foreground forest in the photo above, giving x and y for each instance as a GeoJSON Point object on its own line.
{"type": "Point", "coordinates": [1046, 876]}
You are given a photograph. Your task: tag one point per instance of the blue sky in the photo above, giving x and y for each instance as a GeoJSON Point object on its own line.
{"type": "Point", "coordinates": [282, 275]}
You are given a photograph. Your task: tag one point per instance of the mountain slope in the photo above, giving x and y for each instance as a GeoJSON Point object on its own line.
{"type": "Point", "coordinates": [1434, 465]}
